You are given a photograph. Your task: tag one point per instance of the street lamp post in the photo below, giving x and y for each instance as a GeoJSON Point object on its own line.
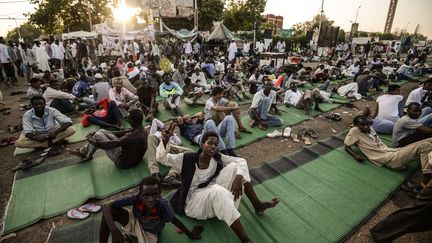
{"type": "Point", "coordinates": [355, 21]}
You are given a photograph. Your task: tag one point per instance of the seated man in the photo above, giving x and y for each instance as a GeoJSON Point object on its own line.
{"type": "Point", "coordinates": [421, 95]}
{"type": "Point", "coordinates": [405, 71]}
{"type": "Point", "coordinates": [180, 75]}
{"type": "Point", "coordinates": [217, 108]}
{"type": "Point", "coordinates": [221, 83]}
{"type": "Point", "coordinates": [389, 108]}
{"type": "Point", "coordinates": [349, 90]}
{"type": "Point", "coordinates": [237, 85]}
{"type": "Point", "coordinates": [155, 135]}
{"type": "Point", "coordinates": [410, 129]}
{"type": "Point", "coordinates": [44, 127]}
{"type": "Point", "coordinates": [192, 128]}
{"type": "Point", "coordinates": [262, 102]}
{"type": "Point", "coordinates": [191, 94]}
{"type": "Point", "coordinates": [366, 81]}
{"type": "Point", "coordinates": [125, 148]}
{"type": "Point", "coordinates": [147, 96]}
{"type": "Point", "coordinates": [34, 89]}
{"type": "Point", "coordinates": [304, 101]}
{"type": "Point", "coordinates": [150, 212]}
{"type": "Point", "coordinates": [212, 183]}
{"type": "Point", "coordinates": [62, 101]}
{"type": "Point", "coordinates": [171, 91]}
{"type": "Point", "coordinates": [81, 89]}
{"type": "Point", "coordinates": [199, 80]}
{"type": "Point", "coordinates": [101, 88]}
{"type": "Point", "coordinates": [367, 140]}
{"type": "Point", "coordinates": [108, 116]}
{"type": "Point", "coordinates": [122, 97]}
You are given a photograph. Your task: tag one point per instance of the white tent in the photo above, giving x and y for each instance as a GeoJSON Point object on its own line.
{"type": "Point", "coordinates": [79, 34]}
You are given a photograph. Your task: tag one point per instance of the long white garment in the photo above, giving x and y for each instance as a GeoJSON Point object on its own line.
{"type": "Point", "coordinates": [350, 90]}
{"type": "Point", "coordinates": [232, 50]}
{"type": "Point", "coordinates": [41, 58]}
{"type": "Point", "coordinates": [215, 200]}
{"type": "Point", "coordinates": [188, 48]}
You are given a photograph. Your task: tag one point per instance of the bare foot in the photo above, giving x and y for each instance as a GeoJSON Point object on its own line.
{"type": "Point", "coordinates": [265, 205]}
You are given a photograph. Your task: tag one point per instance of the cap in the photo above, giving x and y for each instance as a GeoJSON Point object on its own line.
{"type": "Point", "coordinates": [98, 75]}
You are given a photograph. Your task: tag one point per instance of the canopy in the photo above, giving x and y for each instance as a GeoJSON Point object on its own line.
{"type": "Point", "coordinates": [79, 34]}
{"type": "Point", "coordinates": [183, 34]}
{"type": "Point", "coordinates": [221, 32]}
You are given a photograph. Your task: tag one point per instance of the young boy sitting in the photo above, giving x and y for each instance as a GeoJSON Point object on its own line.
{"type": "Point", "coordinates": [147, 219]}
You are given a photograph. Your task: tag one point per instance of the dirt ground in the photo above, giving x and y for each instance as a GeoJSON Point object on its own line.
{"type": "Point", "coordinates": [269, 150]}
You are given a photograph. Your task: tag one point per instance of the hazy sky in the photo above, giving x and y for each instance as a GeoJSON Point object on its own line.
{"type": "Point", "coordinates": [372, 13]}
{"type": "Point", "coordinates": [371, 17]}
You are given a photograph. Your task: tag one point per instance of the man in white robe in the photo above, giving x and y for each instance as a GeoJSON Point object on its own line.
{"type": "Point", "coordinates": [215, 187]}
{"type": "Point", "coordinates": [232, 50]}
{"type": "Point", "coordinates": [41, 57]}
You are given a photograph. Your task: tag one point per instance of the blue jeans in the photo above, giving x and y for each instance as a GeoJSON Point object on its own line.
{"type": "Point", "coordinates": [383, 126]}
{"type": "Point", "coordinates": [262, 109]}
{"type": "Point", "coordinates": [427, 119]}
{"type": "Point", "coordinates": [225, 129]}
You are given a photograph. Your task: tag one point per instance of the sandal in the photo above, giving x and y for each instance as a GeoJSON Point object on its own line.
{"type": "Point", "coordinates": [334, 117]}
{"type": "Point", "coordinates": [90, 207]}
{"type": "Point", "coordinates": [295, 138]}
{"type": "Point", "coordinates": [28, 163]}
{"type": "Point", "coordinates": [4, 142]}
{"type": "Point", "coordinates": [76, 214]}
{"type": "Point", "coordinates": [6, 112]}
{"type": "Point", "coordinates": [302, 134]}
{"type": "Point", "coordinates": [312, 133]}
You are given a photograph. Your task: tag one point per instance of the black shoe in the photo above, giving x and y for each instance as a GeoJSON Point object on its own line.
{"type": "Point", "coordinates": [231, 153]}
{"type": "Point", "coordinates": [55, 149]}
{"type": "Point", "coordinates": [170, 181]}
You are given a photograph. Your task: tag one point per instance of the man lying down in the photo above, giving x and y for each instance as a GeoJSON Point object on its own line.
{"type": "Point", "coordinates": [212, 183]}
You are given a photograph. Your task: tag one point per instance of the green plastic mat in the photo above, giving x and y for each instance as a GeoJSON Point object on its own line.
{"type": "Point", "coordinates": [325, 195]}
{"type": "Point", "coordinates": [53, 188]}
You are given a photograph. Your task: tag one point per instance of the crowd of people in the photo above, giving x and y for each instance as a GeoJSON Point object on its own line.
{"type": "Point", "coordinates": [132, 80]}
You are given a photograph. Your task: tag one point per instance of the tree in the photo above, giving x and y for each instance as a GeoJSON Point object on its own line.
{"type": "Point", "coordinates": [55, 16]}
{"type": "Point", "coordinates": [28, 32]}
{"type": "Point", "coordinates": [209, 11]}
{"type": "Point", "coordinates": [302, 28]}
{"type": "Point", "coordinates": [242, 14]}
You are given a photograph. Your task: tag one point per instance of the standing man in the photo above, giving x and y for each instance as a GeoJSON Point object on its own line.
{"type": "Point", "coordinates": [232, 50]}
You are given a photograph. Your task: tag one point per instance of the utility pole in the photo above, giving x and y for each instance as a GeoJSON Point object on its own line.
{"type": "Point", "coordinates": [320, 23]}
{"type": "Point", "coordinates": [89, 16]}
{"type": "Point", "coordinates": [196, 14]}
{"type": "Point", "coordinates": [18, 30]}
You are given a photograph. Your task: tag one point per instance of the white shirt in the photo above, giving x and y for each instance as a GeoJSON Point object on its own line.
{"type": "Point", "coordinates": [55, 51]}
{"type": "Point", "coordinates": [201, 77]}
{"type": "Point", "coordinates": [50, 94]}
{"type": "Point", "coordinates": [388, 107]}
{"type": "Point", "coordinates": [259, 96]}
{"type": "Point", "coordinates": [246, 47]}
{"type": "Point", "coordinates": [292, 97]}
{"type": "Point", "coordinates": [4, 55]}
{"type": "Point", "coordinates": [415, 96]}
{"type": "Point", "coordinates": [188, 48]}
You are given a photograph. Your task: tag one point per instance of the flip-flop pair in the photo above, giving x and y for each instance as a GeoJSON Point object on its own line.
{"type": "Point", "coordinates": [83, 212]}
{"type": "Point", "coordinates": [7, 141]}
{"type": "Point", "coordinates": [334, 117]}
{"type": "Point", "coordinates": [303, 133]}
